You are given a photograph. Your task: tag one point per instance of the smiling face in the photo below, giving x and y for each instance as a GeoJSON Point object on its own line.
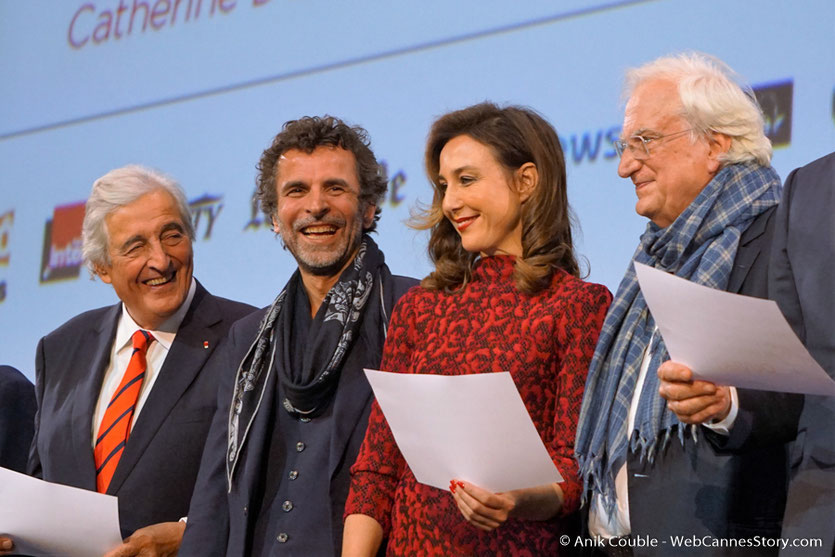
{"type": "Point", "coordinates": [320, 217]}
{"type": "Point", "coordinates": [481, 197]}
{"type": "Point", "coordinates": [678, 168]}
{"type": "Point", "coordinates": [151, 259]}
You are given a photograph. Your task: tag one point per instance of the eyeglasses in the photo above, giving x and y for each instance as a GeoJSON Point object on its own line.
{"type": "Point", "coordinates": [638, 146]}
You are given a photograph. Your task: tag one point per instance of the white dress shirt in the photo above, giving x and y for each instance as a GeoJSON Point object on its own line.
{"type": "Point", "coordinates": [120, 354]}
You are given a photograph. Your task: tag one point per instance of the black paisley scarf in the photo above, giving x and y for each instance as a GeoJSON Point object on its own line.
{"type": "Point", "coordinates": [309, 387]}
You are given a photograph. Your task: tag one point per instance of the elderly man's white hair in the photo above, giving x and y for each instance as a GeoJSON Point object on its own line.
{"type": "Point", "coordinates": [714, 99]}
{"type": "Point", "coordinates": [120, 187]}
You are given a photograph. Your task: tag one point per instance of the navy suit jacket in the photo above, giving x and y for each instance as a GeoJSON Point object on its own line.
{"type": "Point", "coordinates": [699, 489]}
{"type": "Point", "coordinates": [17, 418]}
{"type": "Point", "coordinates": [156, 474]}
{"type": "Point", "coordinates": [802, 282]}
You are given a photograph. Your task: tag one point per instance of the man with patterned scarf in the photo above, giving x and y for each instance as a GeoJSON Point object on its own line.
{"type": "Point", "coordinates": [294, 408]}
{"type": "Point", "coordinates": [693, 146]}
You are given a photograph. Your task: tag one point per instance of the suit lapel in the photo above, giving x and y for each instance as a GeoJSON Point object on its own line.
{"type": "Point", "coordinates": [93, 356]}
{"type": "Point", "coordinates": [353, 394]}
{"type": "Point", "coordinates": [184, 361]}
{"type": "Point", "coordinates": [250, 468]}
{"type": "Point", "coordinates": [353, 398]}
{"type": "Point", "coordinates": [748, 252]}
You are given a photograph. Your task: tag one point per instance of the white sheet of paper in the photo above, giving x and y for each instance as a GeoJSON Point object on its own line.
{"type": "Point", "coordinates": [45, 518]}
{"type": "Point", "coordinates": [468, 427]}
{"type": "Point", "coordinates": [730, 339]}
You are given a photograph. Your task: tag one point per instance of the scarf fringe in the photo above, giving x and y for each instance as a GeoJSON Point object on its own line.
{"type": "Point", "coordinates": [601, 482]}
{"type": "Point", "coordinates": [649, 448]}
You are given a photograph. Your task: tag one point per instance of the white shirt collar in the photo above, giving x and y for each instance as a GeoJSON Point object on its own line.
{"type": "Point", "coordinates": [164, 334]}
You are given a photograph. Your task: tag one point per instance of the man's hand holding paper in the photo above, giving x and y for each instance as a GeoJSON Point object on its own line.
{"type": "Point", "coordinates": [693, 401]}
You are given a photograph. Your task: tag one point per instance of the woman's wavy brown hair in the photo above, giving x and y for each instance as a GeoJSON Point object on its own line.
{"type": "Point", "coordinates": [516, 135]}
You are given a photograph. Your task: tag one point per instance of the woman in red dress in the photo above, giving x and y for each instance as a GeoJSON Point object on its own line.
{"type": "Point", "coordinates": [504, 296]}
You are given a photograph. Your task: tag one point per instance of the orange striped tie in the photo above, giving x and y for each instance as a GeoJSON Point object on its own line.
{"type": "Point", "coordinates": [115, 425]}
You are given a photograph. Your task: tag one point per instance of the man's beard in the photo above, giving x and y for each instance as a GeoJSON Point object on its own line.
{"type": "Point", "coordinates": [323, 261]}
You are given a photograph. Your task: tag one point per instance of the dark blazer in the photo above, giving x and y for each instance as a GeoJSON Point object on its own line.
{"type": "Point", "coordinates": [219, 518]}
{"type": "Point", "coordinates": [156, 474]}
{"type": "Point", "coordinates": [802, 284]}
{"type": "Point", "coordinates": [17, 418]}
{"type": "Point", "coordinates": [699, 490]}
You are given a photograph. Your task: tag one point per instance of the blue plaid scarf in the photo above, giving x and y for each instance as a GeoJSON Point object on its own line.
{"type": "Point", "coordinates": [700, 246]}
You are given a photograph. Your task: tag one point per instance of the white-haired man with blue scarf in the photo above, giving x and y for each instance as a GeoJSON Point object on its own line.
{"type": "Point", "coordinates": [694, 148]}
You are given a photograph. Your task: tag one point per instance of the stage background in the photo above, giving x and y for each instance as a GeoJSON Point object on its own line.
{"type": "Point", "coordinates": [198, 88]}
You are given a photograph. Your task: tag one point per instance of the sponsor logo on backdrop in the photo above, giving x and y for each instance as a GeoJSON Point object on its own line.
{"type": "Point", "coordinates": [6, 223]}
{"type": "Point", "coordinates": [204, 212]}
{"type": "Point", "coordinates": [256, 217]}
{"type": "Point", "coordinates": [776, 102]}
{"type": "Point", "coordinates": [591, 145]}
{"type": "Point", "coordinates": [61, 258]}
{"type": "Point", "coordinates": [397, 182]}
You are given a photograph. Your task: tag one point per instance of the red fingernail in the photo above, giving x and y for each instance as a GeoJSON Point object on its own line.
{"type": "Point", "coordinates": [452, 488]}
{"type": "Point", "coordinates": [460, 484]}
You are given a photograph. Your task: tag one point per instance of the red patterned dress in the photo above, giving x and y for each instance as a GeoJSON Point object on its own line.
{"type": "Point", "coordinates": [545, 341]}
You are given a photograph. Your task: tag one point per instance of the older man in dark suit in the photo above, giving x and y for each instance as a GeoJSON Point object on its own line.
{"type": "Point", "coordinates": [126, 393]}
{"type": "Point", "coordinates": [17, 418]}
{"type": "Point", "coordinates": [695, 151]}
